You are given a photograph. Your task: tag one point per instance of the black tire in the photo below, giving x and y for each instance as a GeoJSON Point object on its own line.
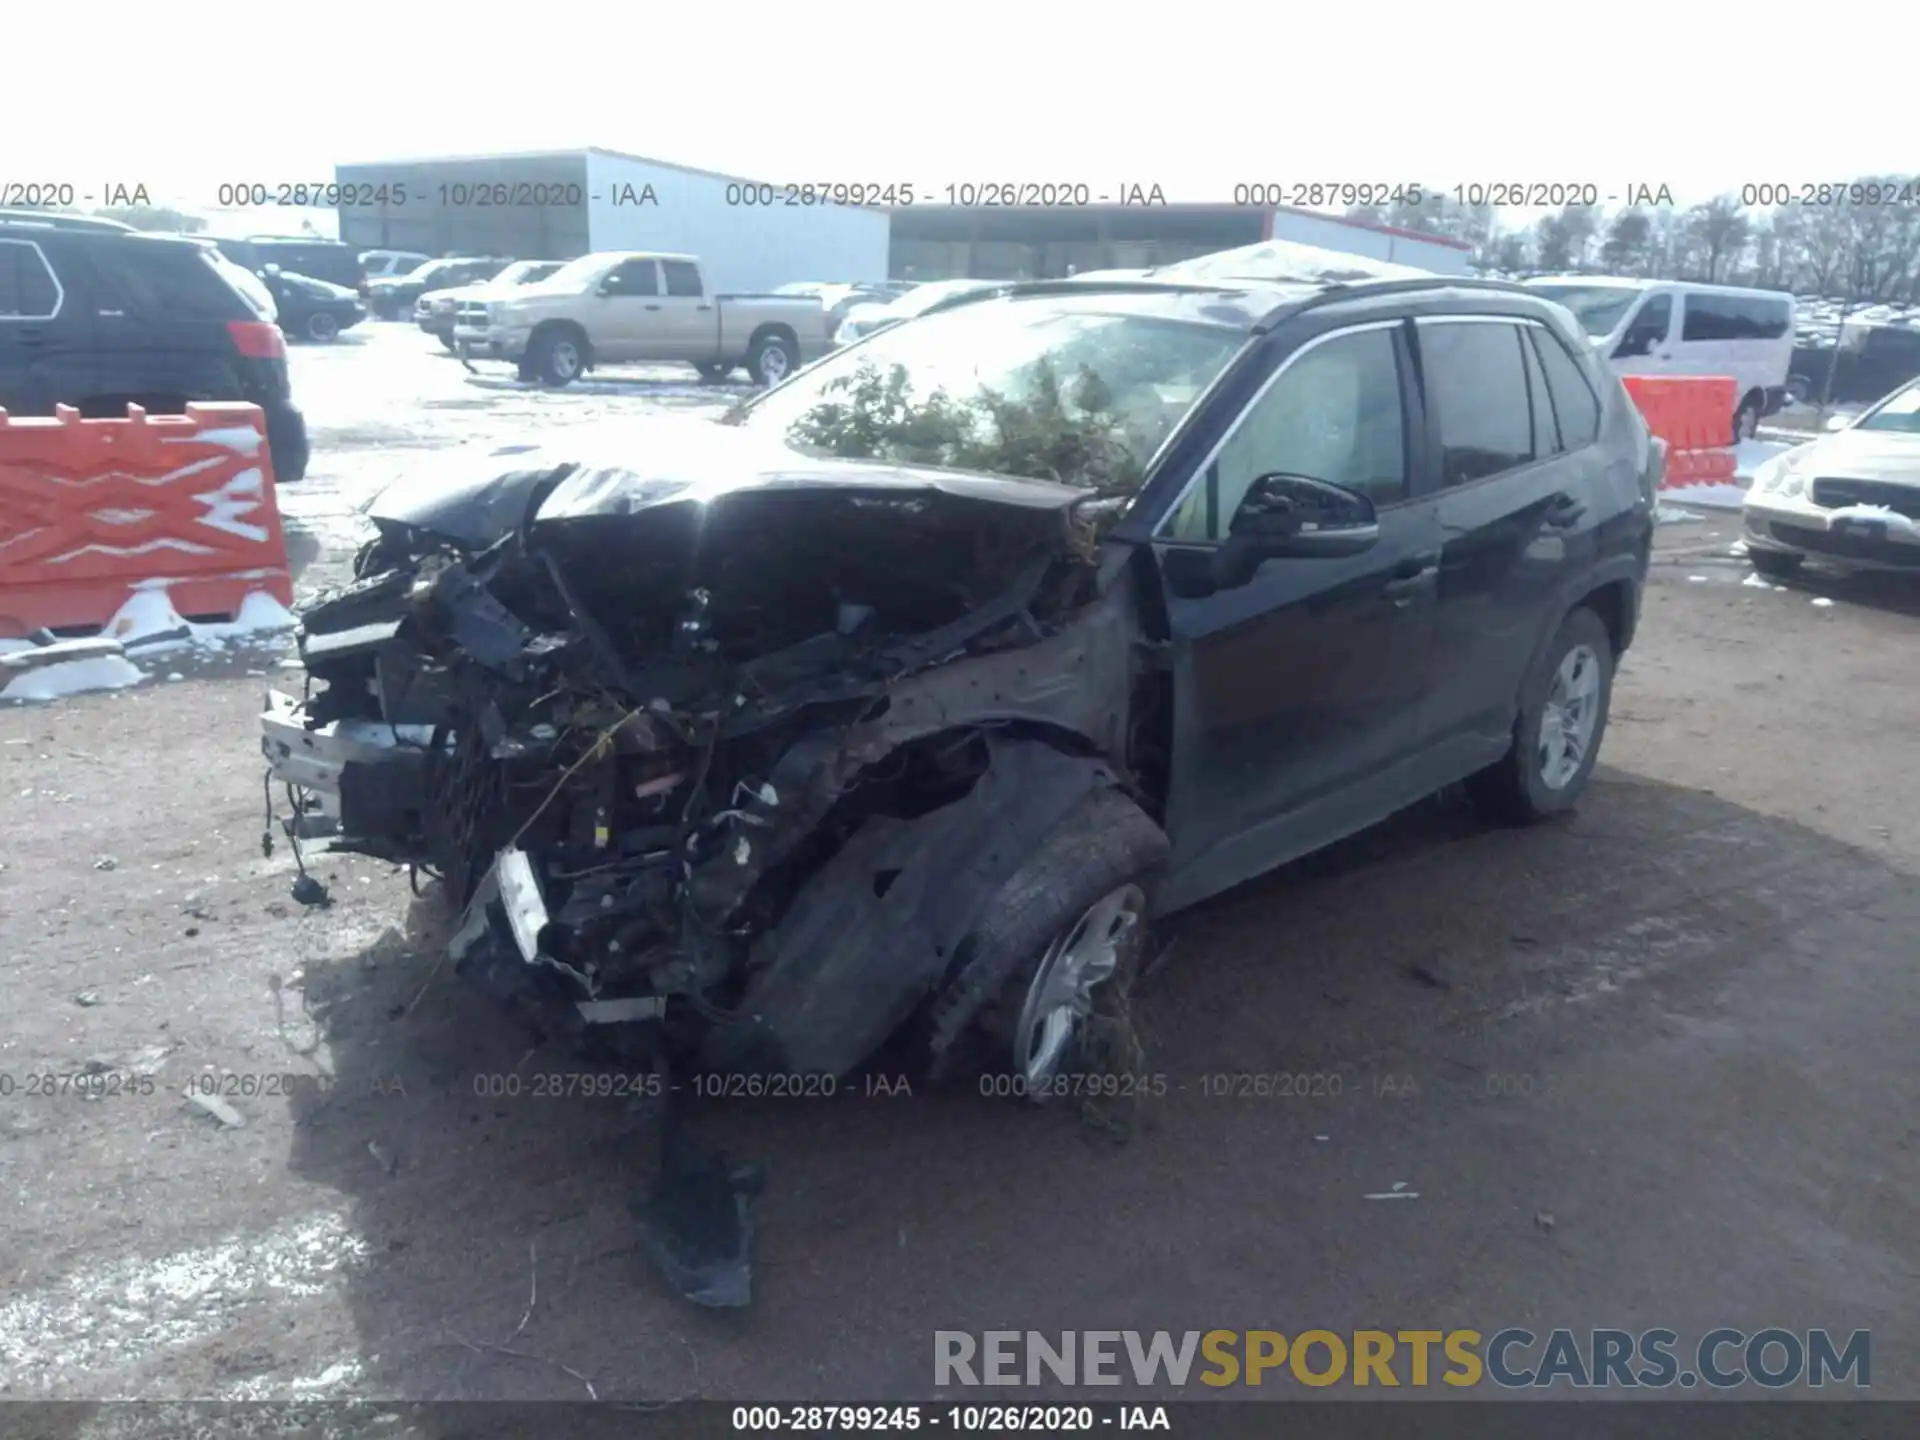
{"type": "Point", "coordinates": [761, 358]}
{"type": "Point", "coordinates": [1514, 790]}
{"type": "Point", "coordinates": [714, 372]}
{"type": "Point", "coordinates": [322, 327]}
{"type": "Point", "coordinates": [447, 342]}
{"type": "Point", "coordinates": [1105, 843]}
{"type": "Point", "coordinates": [1746, 420]}
{"type": "Point", "coordinates": [557, 357]}
{"type": "Point", "coordinates": [1775, 564]}
{"type": "Point", "coordinates": [525, 372]}
{"type": "Point", "coordinates": [1799, 389]}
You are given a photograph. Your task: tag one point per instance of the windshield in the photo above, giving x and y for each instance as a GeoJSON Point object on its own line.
{"type": "Point", "coordinates": [1900, 413]}
{"type": "Point", "coordinates": [525, 272]}
{"type": "Point", "coordinates": [1077, 389]}
{"type": "Point", "coordinates": [1598, 308]}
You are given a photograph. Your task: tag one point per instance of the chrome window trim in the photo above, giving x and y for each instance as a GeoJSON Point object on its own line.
{"type": "Point", "coordinates": [59, 290]}
{"type": "Point", "coordinates": [1207, 463]}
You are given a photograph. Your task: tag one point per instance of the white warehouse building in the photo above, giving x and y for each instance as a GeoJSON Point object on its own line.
{"type": "Point", "coordinates": [555, 205]}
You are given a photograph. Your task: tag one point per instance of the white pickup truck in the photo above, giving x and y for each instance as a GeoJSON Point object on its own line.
{"type": "Point", "coordinates": [630, 306]}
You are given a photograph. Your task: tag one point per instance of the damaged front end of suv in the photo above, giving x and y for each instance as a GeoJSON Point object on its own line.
{"type": "Point", "coordinates": [739, 775]}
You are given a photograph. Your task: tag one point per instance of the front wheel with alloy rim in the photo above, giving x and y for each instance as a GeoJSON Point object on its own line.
{"type": "Point", "coordinates": [772, 358]}
{"type": "Point", "coordinates": [1557, 734]}
{"type": "Point", "coordinates": [557, 357]}
{"type": "Point", "coordinates": [1054, 961]}
{"type": "Point", "coordinates": [322, 327]}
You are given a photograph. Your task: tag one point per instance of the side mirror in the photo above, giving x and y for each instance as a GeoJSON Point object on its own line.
{"type": "Point", "coordinates": [1294, 517]}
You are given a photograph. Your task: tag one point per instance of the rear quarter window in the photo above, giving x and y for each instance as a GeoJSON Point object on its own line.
{"type": "Point", "coordinates": [1574, 404]}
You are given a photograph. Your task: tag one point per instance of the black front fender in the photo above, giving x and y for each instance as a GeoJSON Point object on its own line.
{"type": "Point", "coordinates": [871, 935]}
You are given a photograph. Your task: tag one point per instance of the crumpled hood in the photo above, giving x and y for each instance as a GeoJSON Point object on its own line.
{"type": "Point", "coordinates": [628, 466]}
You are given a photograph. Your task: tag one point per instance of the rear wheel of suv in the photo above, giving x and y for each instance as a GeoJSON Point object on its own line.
{"type": "Point", "coordinates": [1746, 420]}
{"type": "Point", "coordinates": [322, 327]}
{"type": "Point", "coordinates": [557, 357]}
{"type": "Point", "coordinates": [1556, 736]}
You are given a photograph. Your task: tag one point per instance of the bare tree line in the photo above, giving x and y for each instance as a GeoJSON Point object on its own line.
{"type": "Point", "coordinates": [1856, 241]}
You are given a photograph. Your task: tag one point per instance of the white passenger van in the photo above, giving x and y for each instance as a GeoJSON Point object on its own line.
{"type": "Point", "coordinates": [1675, 327]}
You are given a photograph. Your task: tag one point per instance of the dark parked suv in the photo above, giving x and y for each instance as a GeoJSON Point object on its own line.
{"type": "Point", "coordinates": [753, 747]}
{"type": "Point", "coordinates": [99, 316]}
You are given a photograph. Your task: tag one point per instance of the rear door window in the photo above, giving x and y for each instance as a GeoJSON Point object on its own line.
{"type": "Point", "coordinates": [683, 278]}
{"type": "Point", "coordinates": [1476, 383]}
{"type": "Point", "coordinates": [170, 280]}
{"type": "Point", "coordinates": [28, 290]}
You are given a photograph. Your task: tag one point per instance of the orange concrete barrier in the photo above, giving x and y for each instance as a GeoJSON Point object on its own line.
{"type": "Point", "coordinates": [1694, 415]}
{"type": "Point", "coordinates": [92, 509]}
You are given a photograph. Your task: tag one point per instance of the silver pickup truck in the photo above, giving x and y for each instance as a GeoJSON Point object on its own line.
{"type": "Point", "coordinates": [638, 307]}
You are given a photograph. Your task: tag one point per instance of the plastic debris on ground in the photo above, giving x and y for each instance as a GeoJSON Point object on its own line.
{"type": "Point", "coordinates": [1665, 514]}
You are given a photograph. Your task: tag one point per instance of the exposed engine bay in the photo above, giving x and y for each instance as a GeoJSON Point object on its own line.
{"type": "Point", "coordinates": [718, 777]}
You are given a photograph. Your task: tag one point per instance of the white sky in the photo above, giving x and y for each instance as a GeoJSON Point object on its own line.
{"type": "Point", "coordinates": [841, 90]}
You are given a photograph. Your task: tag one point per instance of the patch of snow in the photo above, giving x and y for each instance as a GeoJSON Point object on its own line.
{"type": "Point", "coordinates": [74, 677]}
{"type": "Point", "coordinates": [1822, 602]}
{"type": "Point", "coordinates": [147, 612]}
{"type": "Point", "coordinates": [1755, 582]}
{"type": "Point", "coordinates": [242, 439]}
{"type": "Point", "coordinates": [1665, 514]}
{"type": "Point", "coordinates": [1696, 579]}
{"type": "Point", "coordinates": [148, 615]}
{"type": "Point", "coordinates": [106, 1315]}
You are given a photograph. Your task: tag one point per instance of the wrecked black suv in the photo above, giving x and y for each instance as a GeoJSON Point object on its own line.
{"type": "Point", "coordinates": [888, 710]}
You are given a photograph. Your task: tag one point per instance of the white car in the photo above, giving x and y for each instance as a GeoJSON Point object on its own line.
{"type": "Point", "coordinates": [1675, 327]}
{"type": "Point", "coordinates": [1853, 495]}
{"type": "Point", "coordinates": [863, 320]}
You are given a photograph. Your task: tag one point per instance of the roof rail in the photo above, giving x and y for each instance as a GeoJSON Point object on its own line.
{"type": "Point", "coordinates": [60, 220]}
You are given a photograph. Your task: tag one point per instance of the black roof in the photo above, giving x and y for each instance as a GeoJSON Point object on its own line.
{"type": "Point", "coordinates": [58, 220]}
{"type": "Point", "coordinates": [1263, 301]}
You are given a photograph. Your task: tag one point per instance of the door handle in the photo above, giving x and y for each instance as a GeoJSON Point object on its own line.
{"type": "Point", "coordinates": [703, 307]}
{"type": "Point", "coordinates": [653, 307]}
{"type": "Point", "coordinates": [1410, 579]}
{"type": "Point", "coordinates": [1565, 512]}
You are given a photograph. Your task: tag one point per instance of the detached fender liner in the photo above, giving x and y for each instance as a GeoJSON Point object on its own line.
{"type": "Point", "coordinates": [871, 935]}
